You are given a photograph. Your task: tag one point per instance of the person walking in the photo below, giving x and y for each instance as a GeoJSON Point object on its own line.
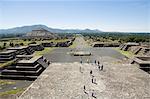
{"type": "Point", "coordinates": [91, 72]}
{"type": "Point", "coordinates": [95, 62]}
{"type": "Point", "coordinates": [84, 89]}
{"type": "Point", "coordinates": [99, 67]}
{"type": "Point", "coordinates": [102, 67]}
{"type": "Point", "coordinates": [87, 60]}
{"type": "Point", "coordinates": [93, 94]}
{"type": "Point", "coordinates": [98, 63]}
{"type": "Point", "coordinates": [81, 60]}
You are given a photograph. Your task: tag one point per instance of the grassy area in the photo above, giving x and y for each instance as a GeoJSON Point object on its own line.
{"type": "Point", "coordinates": [14, 91]}
{"type": "Point", "coordinates": [6, 82]}
{"type": "Point", "coordinates": [46, 50]}
{"type": "Point", "coordinates": [73, 45]}
{"type": "Point", "coordinates": [7, 63]}
{"type": "Point", "coordinates": [126, 53]}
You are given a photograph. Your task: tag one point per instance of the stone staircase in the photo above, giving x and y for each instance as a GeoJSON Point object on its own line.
{"type": "Point", "coordinates": [137, 50]}
{"type": "Point", "coordinates": [25, 69]}
{"type": "Point", "coordinates": [30, 51]}
{"type": "Point", "coordinates": [7, 56]}
{"type": "Point", "coordinates": [22, 50]}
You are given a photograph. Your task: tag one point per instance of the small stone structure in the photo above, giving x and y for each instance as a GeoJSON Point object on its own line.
{"type": "Point", "coordinates": [11, 53]}
{"type": "Point", "coordinates": [64, 44]}
{"type": "Point", "coordinates": [81, 53]}
{"type": "Point", "coordinates": [25, 57]}
{"type": "Point", "coordinates": [143, 62]}
{"type": "Point", "coordinates": [25, 69]}
{"type": "Point", "coordinates": [22, 50]}
{"type": "Point", "coordinates": [7, 55]}
{"type": "Point", "coordinates": [36, 47]}
{"type": "Point", "coordinates": [140, 50]}
{"type": "Point", "coordinates": [126, 46]}
{"type": "Point", "coordinates": [49, 44]}
{"type": "Point", "coordinates": [105, 44]}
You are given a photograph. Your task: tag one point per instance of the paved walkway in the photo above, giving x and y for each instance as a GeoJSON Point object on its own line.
{"type": "Point", "coordinates": [67, 81]}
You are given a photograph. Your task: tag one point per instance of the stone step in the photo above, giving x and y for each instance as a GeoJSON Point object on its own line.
{"type": "Point", "coordinates": [22, 53]}
{"type": "Point", "coordinates": [43, 63]}
{"type": "Point", "coordinates": [18, 77]}
{"type": "Point", "coordinates": [7, 58]}
{"type": "Point", "coordinates": [35, 68]}
{"type": "Point", "coordinates": [24, 68]}
{"type": "Point", "coordinates": [7, 55]}
{"type": "Point", "coordinates": [26, 64]}
{"type": "Point", "coordinates": [26, 73]}
{"type": "Point", "coordinates": [2, 61]}
{"type": "Point", "coordinates": [137, 50]}
{"type": "Point", "coordinates": [29, 51]}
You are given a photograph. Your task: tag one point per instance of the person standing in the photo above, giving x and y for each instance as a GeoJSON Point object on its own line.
{"type": "Point", "coordinates": [95, 62]}
{"type": "Point", "coordinates": [81, 60]}
{"type": "Point", "coordinates": [91, 72]}
{"type": "Point", "coordinates": [98, 63]}
{"type": "Point", "coordinates": [102, 67]}
{"type": "Point", "coordinates": [99, 67]}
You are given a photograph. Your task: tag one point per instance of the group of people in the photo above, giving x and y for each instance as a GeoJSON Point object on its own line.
{"type": "Point", "coordinates": [94, 82]}
{"type": "Point", "coordinates": [100, 66]}
{"type": "Point", "coordinates": [92, 94]}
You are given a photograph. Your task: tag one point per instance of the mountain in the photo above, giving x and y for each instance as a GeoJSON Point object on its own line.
{"type": "Point", "coordinates": [26, 29]}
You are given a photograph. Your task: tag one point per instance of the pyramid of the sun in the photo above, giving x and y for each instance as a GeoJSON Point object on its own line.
{"type": "Point", "coordinates": [41, 33]}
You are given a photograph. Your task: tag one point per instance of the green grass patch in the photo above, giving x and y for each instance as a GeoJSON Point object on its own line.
{"type": "Point", "coordinates": [126, 53]}
{"type": "Point", "coordinates": [73, 45]}
{"type": "Point", "coordinates": [14, 91]}
{"type": "Point", "coordinates": [46, 50]}
{"type": "Point", "coordinates": [6, 82]}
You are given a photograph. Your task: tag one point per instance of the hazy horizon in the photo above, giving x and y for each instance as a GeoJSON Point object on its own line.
{"type": "Point", "coordinates": [109, 15]}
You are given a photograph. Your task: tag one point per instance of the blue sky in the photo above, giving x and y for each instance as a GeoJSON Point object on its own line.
{"type": "Point", "coordinates": [105, 15]}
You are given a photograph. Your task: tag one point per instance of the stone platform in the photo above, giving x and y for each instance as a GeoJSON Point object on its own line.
{"type": "Point", "coordinates": [67, 80]}
{"type": "Point", "coordinates": [7, 55]}
{"type": "Point", "coordinates": [81, 53]}
{"type": "Point", "coordinates": [25, 69]}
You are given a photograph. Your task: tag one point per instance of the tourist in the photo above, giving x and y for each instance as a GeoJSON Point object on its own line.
{"type": "Point", "coordinates": [81, 60]}
{"type": "Point", "coordinates": [80, 70]}
{"type": "Point", "coordinates": [102, 67]}
{"type": "Point", "coordinates": [93, 94]}
{"type": "Point", "coordinates": [88, 61]}
{"type": "Point", "coordinates": [92, 79]}
{"type": "Point", "coordinates": [95, 62]}
{"type": "Point", "coordinates": [91, 72]}
{"type": "Point", "coordinates": [98, 63]}
{"type": "Point", "coordinates": [84, 90]}
{"type": "Point", "coordinates": [84, 87]}
{"type": "Point", "coordinates": [99, 67]}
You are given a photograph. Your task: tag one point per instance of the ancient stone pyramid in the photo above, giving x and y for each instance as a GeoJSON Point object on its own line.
{"type": "Point", "coordinates": [41, 33]}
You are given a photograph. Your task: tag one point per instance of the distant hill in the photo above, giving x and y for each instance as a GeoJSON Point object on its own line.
{"type": "Point", "coordinates": [26, 29]}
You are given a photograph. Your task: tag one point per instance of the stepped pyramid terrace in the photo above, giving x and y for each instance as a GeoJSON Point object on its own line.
{"type": "Point", "coordinates": [41, 33]}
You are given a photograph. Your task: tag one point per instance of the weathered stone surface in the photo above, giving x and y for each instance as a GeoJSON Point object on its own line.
{"type": "Point", "coordinates": [67, 81]}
